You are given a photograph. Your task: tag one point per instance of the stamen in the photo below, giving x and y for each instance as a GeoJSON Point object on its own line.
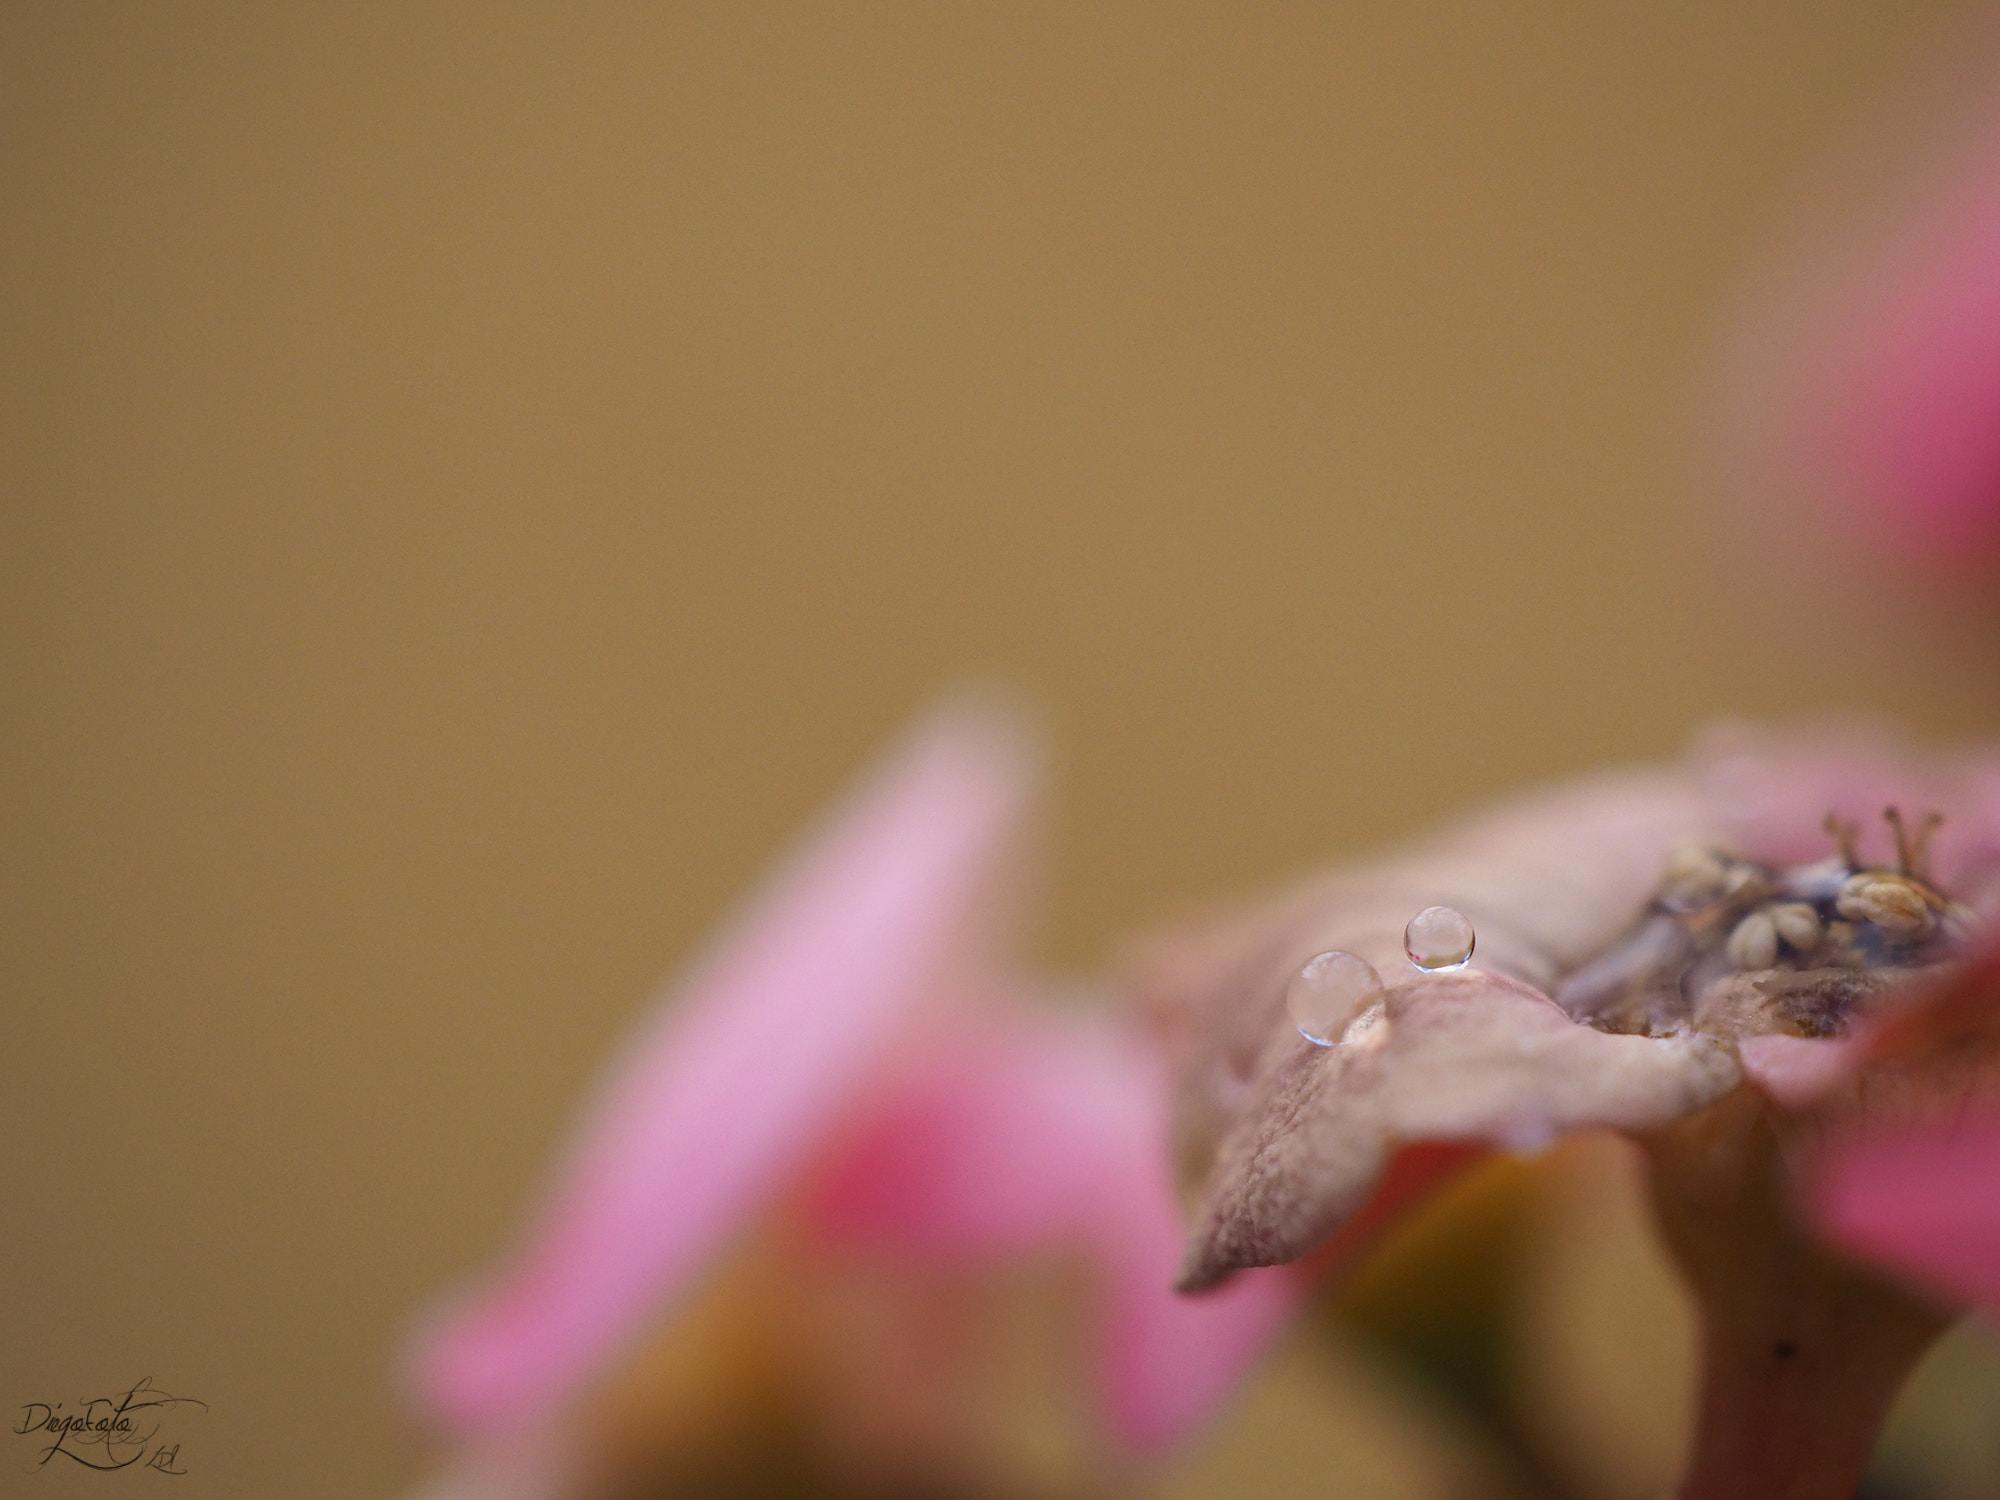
{"type": "Point", "coordinates": [1846, 837]}
{"type": "Point", "coordinates": [1920, 846]}
{"type": "Point", "coordinates": [1912, 850]}
{"type": "Point", "coordinates": [1893, 816]}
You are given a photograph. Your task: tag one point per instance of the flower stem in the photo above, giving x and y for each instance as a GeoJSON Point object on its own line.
{"type": "Point", "coordinates": [1803, 1350]}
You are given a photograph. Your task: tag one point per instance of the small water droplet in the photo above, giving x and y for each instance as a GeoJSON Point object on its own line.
{"type": "Point", "coordinates": [1329, 992]}
{"type": "Point", "coordinates": [1439, 937]}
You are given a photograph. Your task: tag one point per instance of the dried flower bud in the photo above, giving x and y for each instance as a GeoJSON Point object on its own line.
{"type": "Point", "coordinates": [1754, 943]}
{"type": "Point", "coordinates": [1895, 903]}
{"type": "Point", "coordinates": [1798, 924]}
{"type": "Point", "coordinates": [1696, 877]}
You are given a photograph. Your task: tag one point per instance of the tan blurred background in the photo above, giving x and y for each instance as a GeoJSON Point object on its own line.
{"type": "Point", "coordinates": [475, 480]}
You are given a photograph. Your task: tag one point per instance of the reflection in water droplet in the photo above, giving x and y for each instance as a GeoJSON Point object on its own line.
{"type": "Point", "coordinates": [1328, 992]}
{"type": "Point", "coordinates": [1368, 1030]}
{"type": "Point", "coordinates": [1438, 937]}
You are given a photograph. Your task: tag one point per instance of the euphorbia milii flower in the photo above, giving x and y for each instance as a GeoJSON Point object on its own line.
{"type": "Point", "coordinates": [1648, 948]}
{"type": "Point", "coordinates": [1877, 411]}
{"type": "Point", "coordinates": [859, 1050]}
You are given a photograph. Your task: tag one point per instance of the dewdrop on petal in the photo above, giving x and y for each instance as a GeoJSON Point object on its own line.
{"type": "Point", "coordinates": [1368, 1030]}
{"type": "Point", "coordinates": [1439, 937]}
{"type": "Point", "coordinates": [1331, 990]}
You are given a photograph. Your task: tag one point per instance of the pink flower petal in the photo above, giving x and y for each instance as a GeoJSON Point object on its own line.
{"type": "Point", "coordinates": [1051, 1132]}
{"type": "Point", "coordinates": [1865, 379]}
{"type": "Point", "coordinates": [991, 1143]}
{"type": "Point", "coordinates": [1772, 789]}
{"type": "Point", "coordinates": [1795, 1071]}
{"type": "Point", "coordinates": [1926, 1201]}
{"type": "Point", "coordinates": [1912, 413]}
{"type": "Point", "coordinates": [742, 1067]}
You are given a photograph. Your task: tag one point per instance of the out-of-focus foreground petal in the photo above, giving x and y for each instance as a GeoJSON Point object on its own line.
{"type": "Point", "coordinates": [1862, 383]}
{"type": "Point", "coordinates": [1049, 1131]}
{"type": "Point", "coordinates": [1911, 414]}
{"type": "Point", "coordinates": [1926, 1202]}
{"type": "Point", "coordinates": [740, 1071]}
{"type": "Point", "coordinates": [1909, 1175]}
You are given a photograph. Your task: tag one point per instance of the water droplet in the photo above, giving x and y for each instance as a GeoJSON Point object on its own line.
{"type": "Point", "coordinates": [1368, 1030]}
{"type": "Point", "coordinates": [1329, 992]}
{"type": "Point", "coordinates": [1439, 937]}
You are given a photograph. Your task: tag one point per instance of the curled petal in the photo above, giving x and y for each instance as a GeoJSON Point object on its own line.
{"type": "Point", "coordinates": [739, 1072]}
{"type": "Point", "coordinates": [1468, 1057]}
{"type": "Point", "coordinates": [1274, 1139]}
{"type": "Point", "coordinates": [1546, 882]}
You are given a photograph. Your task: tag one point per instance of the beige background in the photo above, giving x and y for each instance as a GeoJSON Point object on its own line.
{"type": "Point", "coordinates": [476, 480]}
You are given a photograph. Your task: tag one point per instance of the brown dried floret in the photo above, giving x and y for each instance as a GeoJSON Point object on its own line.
{"type": "Point", "coordinates": [1716, 915]}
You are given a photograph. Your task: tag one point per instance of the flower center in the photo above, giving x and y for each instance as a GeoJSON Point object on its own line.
{"type": "Point", "coordinates": [1733, 947]}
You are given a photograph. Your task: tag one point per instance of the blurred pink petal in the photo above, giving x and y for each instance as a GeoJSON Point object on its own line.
{"type": "Point", "coordinates": [1770, 793]}
{"type": "Point", "coordinates": [1913, 407]}
{"type": "Point", "coordinates": [1927, 1202]}
{"type": "Point", "coordinates": [1907, 1169]}
{"type": "Point", "coordinates": [1866, 380]}
{"type": "Point", "coordinates": [740, 1073]}
{"type": "Point", "coordinates": [1049, 1132]}
{"type": "Point", "coordinates": [1796, 1071]}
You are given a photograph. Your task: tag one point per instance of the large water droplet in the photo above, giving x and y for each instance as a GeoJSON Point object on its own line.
{"type": "Point", "coordinates": [1439, 937]}
{"type": "Point", "coordinates": [1329, 992]}
{"type": "Point", "coordinates": [1368, 1030]}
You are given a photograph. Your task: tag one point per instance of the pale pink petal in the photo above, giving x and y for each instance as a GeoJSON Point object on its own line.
{"type": "Point", "coordinates": [1796, 1071]}
{"type": "Point", "coordinates": [1472, 1058]}
{"type": "Point", "coordinates": [739, 1072]}
{"type": "Point", "coordinates": [1287, 1143]}
{"type": "Point", "coordinates": [1770, 791]}
{"type": "Point", "coordinates": [1050, 1132]}
{"type": "Point", "coordinates": [1926, 1202]}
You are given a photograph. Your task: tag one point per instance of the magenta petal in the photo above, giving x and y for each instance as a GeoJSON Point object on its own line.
{"type": "Point", "coordinates": [1052, 1132]}
{"type": "Point", "coordinates": [1926, 1202]}
{"type": "Point", "coordinates": [988, 1146]}
{"type": "Point", "coordinates": [741, 1069]}
{"type": "Point", "coordinates": [1168, 1361]}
